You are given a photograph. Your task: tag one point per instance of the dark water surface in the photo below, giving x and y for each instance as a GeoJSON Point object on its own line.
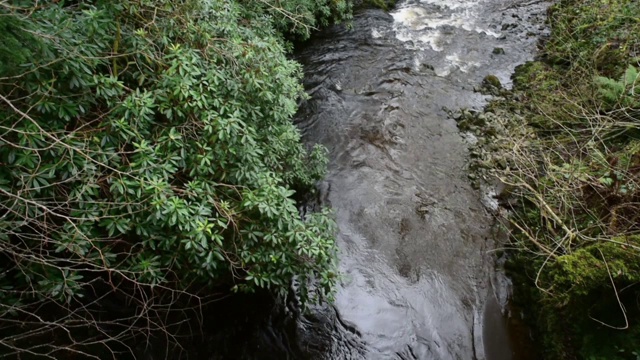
{"type": "Point", "coordinates": [415, 239]}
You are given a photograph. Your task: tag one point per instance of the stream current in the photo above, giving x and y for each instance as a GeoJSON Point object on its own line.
{"type": "Point", "coordinates": [414, 238]}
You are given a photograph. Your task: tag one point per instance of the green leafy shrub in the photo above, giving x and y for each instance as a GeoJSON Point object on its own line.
{"type": "Point", "coordinates": [149, 160]}
{"type": "Point", "coordinates": [301, 17]}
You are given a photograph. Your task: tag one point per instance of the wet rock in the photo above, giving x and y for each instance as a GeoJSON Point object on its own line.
{"type": "Point", "coordinates": [422, 210]}
{"type": "Point", "coordinates": [492, 80]}
{"type": "Point", "coordinates": [425, 67]}
{"type": "Point", "coordinates": [498, 51]}
{"type": "Point", "coordinates": [481, 119]}
{"type": "Point", "coordinates": [501, 162]}
{"type": "Point", "coordinates": [464, 124]}
{"type": "Point", "coordinates": [504, 92]}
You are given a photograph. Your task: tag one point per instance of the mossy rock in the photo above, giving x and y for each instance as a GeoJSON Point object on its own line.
{"type": "Point", "coordinates": [586, 285]}
{"type": "Point", "coordinates": [590, 267]}
{"type": "Point", "coordinates": [492, 81]}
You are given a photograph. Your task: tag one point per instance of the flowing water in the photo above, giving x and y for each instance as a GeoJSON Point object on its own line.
{"type": "Point", "coordinates": [415, 239]}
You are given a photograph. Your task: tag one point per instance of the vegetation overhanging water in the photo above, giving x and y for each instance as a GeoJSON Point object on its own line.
{"type": "Point", "coordinates": [150, 167]}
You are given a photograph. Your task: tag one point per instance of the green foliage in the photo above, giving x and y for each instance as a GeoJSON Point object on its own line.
{"type": "Point", "coordinates": [149, 144]}
{"type": "Point", "coordinates": [586, 302]}
{"type": "Point", "coordinates": [590, 269]}
{"type": "Point", "coordinates": [623, 91]}
{"type": "Point", "coordinates": [600, 33]}
{"type": "Point", "coordinates": [13, 49]}
{"type": "Point", "coordinates": [300, 17]}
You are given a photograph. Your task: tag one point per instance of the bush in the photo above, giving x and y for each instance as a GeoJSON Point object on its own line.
{"type": "Point", "coordinates": [149, 160]}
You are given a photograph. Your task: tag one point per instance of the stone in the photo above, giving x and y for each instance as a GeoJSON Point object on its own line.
{"type": "Point", "coordinates": [427, 67]}
{"type": "Point", "coordinates": [501, 162]}
{"type": "Point", "coordinates": [481, 120]}
{"type": "Point", "coordinates": [423, 209]}
{"type": "Point", "coordinates": [492, 81]}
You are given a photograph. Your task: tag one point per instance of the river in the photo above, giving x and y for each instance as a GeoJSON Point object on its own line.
{"type": "Point", "coordinates": [415, 239]}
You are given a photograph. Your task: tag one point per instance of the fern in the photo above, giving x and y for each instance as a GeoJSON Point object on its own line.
{"type": "Point", "coordinates": [631, 76]}
{"type": "Point", "coordinates": [610, 89]}
{"type": "Point", "coordinates": [621, 91]}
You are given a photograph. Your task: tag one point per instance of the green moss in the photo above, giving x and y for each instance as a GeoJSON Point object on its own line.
{"type": "Point", "coordinates": [579, 291]}
{"type": "Point", "coordinates": [592, 268]}
{"type": "Point", "coordinates": [583, 298]}
{"type": "Point", "coordinates": [492, 80]}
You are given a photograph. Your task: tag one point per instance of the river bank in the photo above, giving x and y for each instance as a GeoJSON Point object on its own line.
{"type": "Point", "coordinates": [564, 147]}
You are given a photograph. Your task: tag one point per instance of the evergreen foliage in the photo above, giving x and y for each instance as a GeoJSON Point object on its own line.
{"type": "Point", "coordinates": [148, 160]}
{"type": "Point", "coordinates": [300, 17]}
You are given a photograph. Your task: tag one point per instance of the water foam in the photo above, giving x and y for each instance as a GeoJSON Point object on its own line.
{"type": "Point", "coordinates": [434, 24]}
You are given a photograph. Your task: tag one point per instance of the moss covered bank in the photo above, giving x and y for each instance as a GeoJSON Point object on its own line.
{"type": "Point", "coordinates": [566, 145]}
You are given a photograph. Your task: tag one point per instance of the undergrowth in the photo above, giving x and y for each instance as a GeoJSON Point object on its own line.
{"type": "Point", "coordinates": [573, 167]}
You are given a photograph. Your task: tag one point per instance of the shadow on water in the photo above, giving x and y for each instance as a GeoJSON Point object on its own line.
{"type": "Point", "coordinates": [415, 240]}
